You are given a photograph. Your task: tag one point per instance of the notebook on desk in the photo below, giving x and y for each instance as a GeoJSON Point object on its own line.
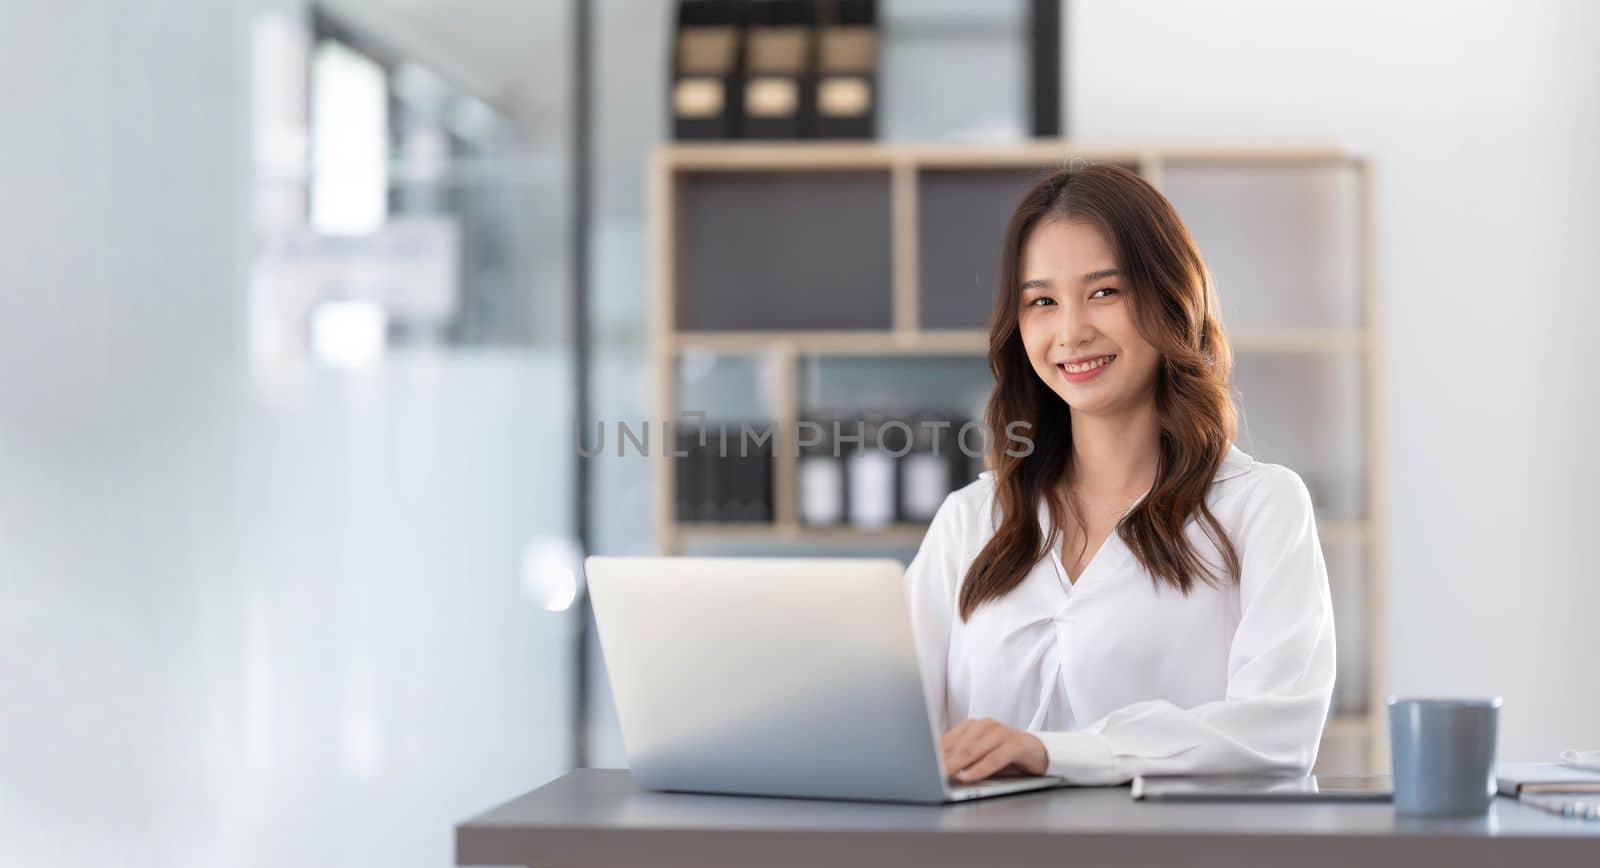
{"type": "Point", "coordinates": [1556, 788]}
{"type": "Point", "coordinates": [1514, 779]}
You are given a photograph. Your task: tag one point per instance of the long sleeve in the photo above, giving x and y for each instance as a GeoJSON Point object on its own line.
{"type": "Point", "coordinates": [932, 580]}
{"type": "Point", "coordinates": [1280, 668]}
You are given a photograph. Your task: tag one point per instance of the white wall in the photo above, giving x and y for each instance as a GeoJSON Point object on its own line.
{"type": "Point", "coordinates": [1484, 122]}
{"type": "Point", "coordinates": [239, 630]}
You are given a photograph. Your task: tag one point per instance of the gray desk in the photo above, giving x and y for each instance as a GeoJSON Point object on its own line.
{"type": "Point", "coordinates": [598, 817]}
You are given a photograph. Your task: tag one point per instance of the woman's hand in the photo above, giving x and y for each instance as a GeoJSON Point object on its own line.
{"type": "Point", "coordinates": [975, 749]}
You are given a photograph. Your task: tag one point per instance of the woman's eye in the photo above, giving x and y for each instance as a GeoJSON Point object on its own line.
{"type": "Point", "coordinates": [1106, 289]}
{"type": "Point", "coordinates": [1041, 301]}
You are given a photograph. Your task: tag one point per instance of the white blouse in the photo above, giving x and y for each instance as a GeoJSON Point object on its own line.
{"type": "Point", "coordinates": [1118, 677]}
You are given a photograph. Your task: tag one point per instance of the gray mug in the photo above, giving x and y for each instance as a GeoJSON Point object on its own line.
{"type": "Point", "coordinates": [1443, 755]}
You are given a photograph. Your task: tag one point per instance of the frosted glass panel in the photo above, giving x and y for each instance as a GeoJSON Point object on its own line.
{"type": "Point", "coordinates": [725, 387]}
{"type": "Point", "coordinates": [1304, 411]}
{"type": "Point", "coordinates": [959, 384]}
{"type": "Point", "coordinates": [1283, 243]}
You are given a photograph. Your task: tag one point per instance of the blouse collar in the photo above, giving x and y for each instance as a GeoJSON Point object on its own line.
{"type": "Point", "coordinates": [1235, 463]}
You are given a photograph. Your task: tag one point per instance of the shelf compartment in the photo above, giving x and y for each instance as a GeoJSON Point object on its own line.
{"type": "Point", "coordinates": [1348, 727]}
{"type": "Point", "coordinates": [1346, 746]}
{"type": "Point", "coordinates": [902, 384]}
{"type": "Point", "coordinates": [1347, 581]}
{"type": "Point", "coordinates": [961, 223]}
{"type": "Point", "coordinates": [1282, 241]}
{"type": "Point", "coordinates": [1306, 413]}
{"type": "Point", "coordinates": [962, 212]}
{"type": "Point", "coordinates": [829, 267]}
{"type": "Point", "coordinates": [725, 385]}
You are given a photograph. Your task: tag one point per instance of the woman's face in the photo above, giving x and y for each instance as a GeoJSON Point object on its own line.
{"type": "Point", "coordinates": [1076, 320]}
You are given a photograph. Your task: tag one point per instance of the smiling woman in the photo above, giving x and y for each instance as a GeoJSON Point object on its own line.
{"type": "Point", "coordinates": [1091, 303]}
{"type": "Point", "coordinates": [1112, 311]}
{"type": "Point", "coordinates": [1134, 595]}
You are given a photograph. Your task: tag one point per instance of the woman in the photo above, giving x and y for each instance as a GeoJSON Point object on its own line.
{"type": "Point", "coordinates": [1133, 595]}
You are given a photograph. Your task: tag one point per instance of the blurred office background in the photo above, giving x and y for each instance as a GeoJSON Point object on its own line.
{"type": "Point", "coordinates": [288, 576]}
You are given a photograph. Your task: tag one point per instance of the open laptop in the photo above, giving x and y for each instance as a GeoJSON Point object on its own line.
{"type": "Point", "coordinates": [773, 677]}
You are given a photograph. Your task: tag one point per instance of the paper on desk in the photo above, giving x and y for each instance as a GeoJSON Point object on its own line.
{"type": "Point", "coordinates": [1582, 759]}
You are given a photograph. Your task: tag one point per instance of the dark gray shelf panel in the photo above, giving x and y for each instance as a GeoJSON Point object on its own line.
{"type": "Point", "coordinates": [784, 250]}
{"type": "Point", "coordinates": [961, 220]}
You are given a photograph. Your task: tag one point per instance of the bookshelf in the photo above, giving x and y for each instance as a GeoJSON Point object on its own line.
{"type": "Point", "coordinates": [1299, 297]}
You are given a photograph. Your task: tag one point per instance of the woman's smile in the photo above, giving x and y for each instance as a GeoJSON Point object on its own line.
{"type": "Point", "coordinates": [1085, 369]}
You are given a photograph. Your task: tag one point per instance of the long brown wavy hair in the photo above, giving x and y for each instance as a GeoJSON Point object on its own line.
{"type": "Point", "coordinates": [1174, 307]}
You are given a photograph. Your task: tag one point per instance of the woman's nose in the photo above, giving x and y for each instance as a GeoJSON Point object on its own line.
{"type": "Point", "coordinates": [1074, 329]}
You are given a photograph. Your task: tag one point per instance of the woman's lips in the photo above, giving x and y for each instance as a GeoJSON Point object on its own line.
{"type": "Point", "coordinates": [1080, 376]}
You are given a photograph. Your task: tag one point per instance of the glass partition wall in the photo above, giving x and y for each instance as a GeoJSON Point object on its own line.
{"type": "Point", "coordinates": [411, 614]}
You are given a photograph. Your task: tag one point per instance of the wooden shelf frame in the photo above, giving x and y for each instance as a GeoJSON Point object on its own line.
{"type": "Point", "coordinates": [806, 156]}
{"type": "Point", "coordinates": [1334, 532]}
{"type": "Point", "coordinates": [904, 165]}
{"type": "Point", "coordinates": [937, 342]}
